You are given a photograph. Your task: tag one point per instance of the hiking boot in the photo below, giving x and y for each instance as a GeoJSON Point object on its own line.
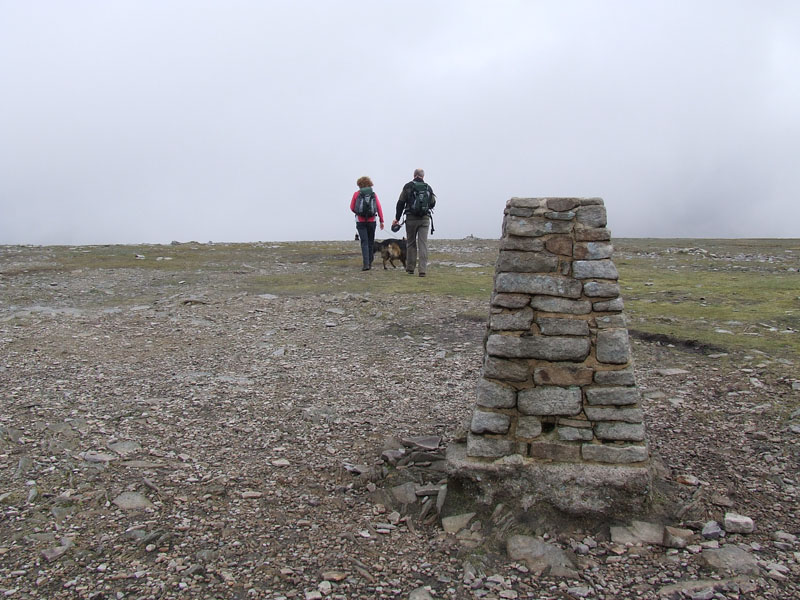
{"type": "Point", "coordinates": [365, 268]}
{"type": "Point", "coordinates": [409, 272]}
{"type": "Point", "coordinates": [422, 274]}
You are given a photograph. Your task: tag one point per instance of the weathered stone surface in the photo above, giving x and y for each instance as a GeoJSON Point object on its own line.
{"type": "Point", "coordinates": [505, 369]}
{"type": "Point", "coordinates": [455, 523]}
{"type": "Point", "coordinates": [564, 375]}
{"type": "Point", "coordinates": [540, 556]}
{"type": "Point", "coordinates": [592, 250]}
{"type": "Point", "coordinates": [510, 300]}
{"type": "Point", "coordinates": [601, 289]}
{"type": "Point", "coordinates": [736, 523]}
{"type": "Point", "coordinates": [520, 212]}
{"type": "Point", "coordinates": [731, 558]}
{"type": "Point", "coordinates": [132, 501]}
{"type": "Point", "coordinates": [526, 262]}
{"type": "Point", "coordinates": [532, 283]}
{"type": "Point", "coordinates": [624, 376]}
{"type": "Point", "coordinates": [613, 346]}
{"type": "Point", "coordinates": [608, 413]}
{"type": "Point", "coordinates": [541, 347]}
{"type": "Point", "coordinates": [559, 244]}
{"type": "Point", "coordinates": [614, 454]}
{"type": "Point", "coordinates": [638, 532]}
{"type": "Point", "coordinates": [616, 430]}
{"type": "Point", "coordinates": [526, 202]}
{"type": "Point", "coordinates": [527, 244]}
{"type": "Point", "coordinates": [489, 422]}
{"type": "Point", "coordinates": [615, 305]}
{"type": "Point", "coordinates": [515, 320]}
{"type": "Point", "coordinates": [495, 395]}
{"type": "Point", "coordinates": [560, 216]}
{"type": "Point", "coordinates": [591, 216]}
{"type": "Point", "coordinates": [675, 537]}
{"type": "Point", "coordinates": [616, 396]}
{"type": "Point", "coordinates": [555, 451]}
{"type": "Point", "coordinates": [561, 305]}
{"type": "Point", "coordinates": [534, 226]}
{"type": "Point", "coordinates": [611, 321]}
{"type": "Point", "coordinates": [591, 234]}
{"type": "Point", "coordinates": [556, 326]}
{"type": "Point", "coordinates": [594, 269]}
{"type": "Point", "coordinates": [575, 434]}
{"type": "Point", "coordinates": [550, 400]}
{"type": "Point", "coordinates": [529, 427]}
{"type": "Point", "coordinates": [480, 446]}
{"type": "Point", "coordinates": [577, 422]}
{"type": "Point", "coordinates": [562, 204]}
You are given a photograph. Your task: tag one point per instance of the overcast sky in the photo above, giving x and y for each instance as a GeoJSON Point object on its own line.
{"type": "Point", "coordinates": [243, 120]}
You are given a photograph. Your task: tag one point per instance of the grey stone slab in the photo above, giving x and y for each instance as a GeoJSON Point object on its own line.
{"type": "Point", "coordinates": [535, 226]}
{"type": "Point", "coordinates": [495, 395]}
{"type": "Point", "coordinates": [592, 216]}
{"type": "Point", "coordinates": [557, 326]}
{"type": "Point", "coordinates": [616, 430]}
{"type": "Point", "coordinates": [592, 250]}
{"type": "Point", "coordinates": [601, 289]}
{"type": "Point", "coordinates": [505, 369]}
{"type": "Point", "coordinates": [613, 346]}
{"type": "Point", "coordinates": [615, 396]}
{"type": "Point", "coordinates": [560, 216]}
{"type": "Point", "coordinates": [555, 451]}
{"type": "Point", "coordinates": [489, 422]}
{"type": "Point", "coordinates": [575, 434]}
{"type": "Point", "coordinates": [562, 204]}
{"type": "Point", "coordinates": [614, 454]}
{"type": "Point", "coordinates": [519, 202]}
{"type": "Point", "coordinates": [611, 321]}
{"type": "Point", "coordinates": [609, 413]}
{"type": "Point", "coordinates": [561, 305]}
{"type": "Point", "coordinates": [591, 234]}
{"type": "Point", "coordinates": [549, 400]}
{"type": "Point", "coordinates": [526, 244]}
{"type": "Point", "coordinates": [511, 300]}
{"type": "Point", "coordinates": [559, 244]}
{"type": "Point", "coordinates": [513, 320]}
{"type": "Point", "coordinates": [563, 374]}
{"type": "Point", "coordinates": [529, 427]}
{"type": "Point", "coordinates": [594, 269]}
{"type": "Point", "coordinates": [526, 262]}
{"type": "Point", "coordinates": [533, 283]}
{"type": "Point", "coordinates": [731, 558]}
{"type": "Point", "coordinates": [624, 376]}
{"type": "Point", "coordinates": [615, 305]}
{"type": "Point", "coordinates": [542, 347]}
{"type": "Point", "coordinates": [480, 446]}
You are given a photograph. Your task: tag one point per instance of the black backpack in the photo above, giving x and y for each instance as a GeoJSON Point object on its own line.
{"type": "Point", "coordinates": [420, 199]}
{"type": "Point", "coordinates": [366, 205]}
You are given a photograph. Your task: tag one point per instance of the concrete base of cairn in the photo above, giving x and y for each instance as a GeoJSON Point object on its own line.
{"type": "Point", "coordinates": [557, 419]}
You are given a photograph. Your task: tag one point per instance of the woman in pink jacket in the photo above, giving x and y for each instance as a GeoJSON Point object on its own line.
{"type": "Point", "coordinates": [366, 206]}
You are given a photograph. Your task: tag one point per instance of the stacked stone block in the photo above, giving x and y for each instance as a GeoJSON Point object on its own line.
{"type": "Point", "coordinates": [557, 383]}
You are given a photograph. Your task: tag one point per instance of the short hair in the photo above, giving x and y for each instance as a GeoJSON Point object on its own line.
{"type": "Point", "coordinates": [364, 182]}
{"type": "Point", "coordinates": [419, 173]}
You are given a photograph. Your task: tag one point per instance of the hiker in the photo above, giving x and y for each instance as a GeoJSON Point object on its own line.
{"type": "Point", "coordinates": [416, 201]}
{"type": "Point", "coordinates": [366, 206]}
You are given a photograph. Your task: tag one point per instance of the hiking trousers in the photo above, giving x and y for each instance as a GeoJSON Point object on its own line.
{"type": "Point", "coordinates": [417, 243]}
{"type": "Point", "coordinates": [366, 235]}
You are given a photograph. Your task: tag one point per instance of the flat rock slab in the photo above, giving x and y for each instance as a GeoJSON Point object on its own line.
{"type": "Point", "coordinates": [456, 523]}
{"type": "Point", "coordinates": [731, 558]}
{"type": "Point", "coordinates": [132, 501]}
{"type": "Point", "coordinates": [540, 556]}
{"type": "Point", "coordinates": [429, 442]}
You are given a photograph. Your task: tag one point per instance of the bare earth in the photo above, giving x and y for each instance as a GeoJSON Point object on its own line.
{"type": "Point", "coordinates": [188, 432]}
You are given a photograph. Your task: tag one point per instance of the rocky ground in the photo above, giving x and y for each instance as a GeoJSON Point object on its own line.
{"type": "Point", "coordinates": [164, 435]}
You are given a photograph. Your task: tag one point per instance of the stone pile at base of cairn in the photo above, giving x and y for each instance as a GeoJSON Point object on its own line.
{"type": "Point", "coordinates": [557, 417]}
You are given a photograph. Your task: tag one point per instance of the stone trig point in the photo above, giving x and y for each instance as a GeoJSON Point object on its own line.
{"type": "Point", "coordinates": [557, 422]}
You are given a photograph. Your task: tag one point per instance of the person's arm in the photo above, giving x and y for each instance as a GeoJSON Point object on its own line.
{"type": "Point", "coordinates": [401, 205]}
{"type": "Point", "coordinates": [380, 210]}
{"type": "Point", "coordinates": [353, 202]}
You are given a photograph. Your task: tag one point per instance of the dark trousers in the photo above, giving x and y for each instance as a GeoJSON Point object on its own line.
{"type": "Point", "coordinates": [366, 233]}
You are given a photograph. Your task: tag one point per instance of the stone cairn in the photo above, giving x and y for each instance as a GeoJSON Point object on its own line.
{"type": "Point", "coordinates": [557, 384]}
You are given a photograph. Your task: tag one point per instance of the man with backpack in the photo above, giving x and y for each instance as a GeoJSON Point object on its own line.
{"type": "Point", "coordinates": [366, 206]}
{"type": "Point", "coordinates": [416, 201]}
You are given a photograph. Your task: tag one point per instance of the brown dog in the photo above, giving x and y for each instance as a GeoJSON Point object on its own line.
{"type": "Point", "coordinates": [391, 250]}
